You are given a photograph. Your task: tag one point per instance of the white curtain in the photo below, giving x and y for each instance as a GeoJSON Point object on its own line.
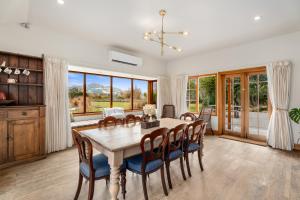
{"type": "Point", "coordinates": [58, 131]}
{"type": "Point", "coordinates": [280, 131]}
{"type": "Point", "coordinates": [163, 94]}
{"type": "Point", "coordinates": [180, 94]}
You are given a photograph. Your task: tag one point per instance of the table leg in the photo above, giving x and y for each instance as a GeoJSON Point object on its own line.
{"type": "Point", "coordinates": [115, 160]}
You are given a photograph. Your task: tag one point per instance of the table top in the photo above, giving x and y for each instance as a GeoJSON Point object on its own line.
{"type": "Point", "coordinates": [125, 136]}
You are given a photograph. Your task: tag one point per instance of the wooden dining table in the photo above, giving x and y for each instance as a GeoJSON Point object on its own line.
{"type": "Point", "coordinates": [121, 142]}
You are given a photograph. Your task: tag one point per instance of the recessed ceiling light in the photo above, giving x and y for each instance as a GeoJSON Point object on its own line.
{"type": "Point", "coordinates": [257, 18]}
{"type": "Point", "coordinates": [61, 2]}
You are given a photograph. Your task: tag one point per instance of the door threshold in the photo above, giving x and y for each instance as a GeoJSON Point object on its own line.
{"type": "Point", "coordinates": [245, 140]}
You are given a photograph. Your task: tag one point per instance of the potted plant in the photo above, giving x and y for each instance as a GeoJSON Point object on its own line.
{"type": "Point", "coordinates": [295, 116]}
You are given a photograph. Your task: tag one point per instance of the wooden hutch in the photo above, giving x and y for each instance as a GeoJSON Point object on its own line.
{"type": "Point", "coordinates": [22, 123]}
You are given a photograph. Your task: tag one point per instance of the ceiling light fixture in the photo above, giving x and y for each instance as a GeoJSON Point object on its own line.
{"type": "Point", "coordinates": [257, 18]}
{"type": "Point", "coordinates": [61, 2]}
{"type": "Point", "coordinates": [159, 37]}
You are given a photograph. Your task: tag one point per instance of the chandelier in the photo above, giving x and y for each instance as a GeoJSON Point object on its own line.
{"type": "Point", "coordinates": [159, 37]}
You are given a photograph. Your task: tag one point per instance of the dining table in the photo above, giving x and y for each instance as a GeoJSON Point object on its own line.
{"type": "Point", "coordinates": [121, 142]}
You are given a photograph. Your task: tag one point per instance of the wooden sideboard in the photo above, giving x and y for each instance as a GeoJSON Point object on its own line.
{"type": "Point", "coordinates": [22, 134]}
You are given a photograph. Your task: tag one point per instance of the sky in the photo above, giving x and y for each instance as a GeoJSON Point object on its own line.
{"type": "Point", "coordinates": [76, 79]}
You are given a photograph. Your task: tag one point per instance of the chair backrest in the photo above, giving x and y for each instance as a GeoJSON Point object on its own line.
{"type": "Point", "coordinates": [157, 140]}
{"type": "Point", "coordinates": [188, 116]}
{"type": "Point", "coordinates": [85, 149]}
{"type": "Point", "coordinates": [109, 121]}
{"type": "Point", "coordinates": [197, 129]}
{"type": "Point", "coordinates": [168, 111]}
{"type": "Point", "coordinates": [205, 115]}
{"type": "Point", "coordinates": [176, 138]}
{"type": "Point", "coordinates": [131, 119]}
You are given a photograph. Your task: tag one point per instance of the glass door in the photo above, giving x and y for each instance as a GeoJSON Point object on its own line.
{"type": "Point", "coordinates": [233, 105]}
{"type": "Point", "coordinates": [258, 107]}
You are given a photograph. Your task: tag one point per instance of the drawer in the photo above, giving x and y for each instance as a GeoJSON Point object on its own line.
{"type": "Point", "coordinates": [3, 114]}
{"type": "Point", "coordinates": [17, 114]}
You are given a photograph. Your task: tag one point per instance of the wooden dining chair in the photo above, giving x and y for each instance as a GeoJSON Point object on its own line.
{"type": "Point", "coordinates": [205, 115]}
{"type": "Point", "coordinates": [168, 111]}
{"type": "Point", "coordinates": [151, 159]}
{"type": "Point", "coordinates": [175, 150]}
{"type": "Point", "coordinates": [194, 142]}
{"type": "Point", "coordinates": [110, 121]}
{"type": "Point", "coordinates": [90, 167]}
{"type": "Point", "coordinates": [131, 119]}
{"type": "Point", "coordinates": [188, 116]}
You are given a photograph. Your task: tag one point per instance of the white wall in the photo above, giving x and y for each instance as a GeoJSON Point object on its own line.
{"type": "Point", "coordinates": [77, 51]}
{"type": "Point", "coordinates": [248, 55]}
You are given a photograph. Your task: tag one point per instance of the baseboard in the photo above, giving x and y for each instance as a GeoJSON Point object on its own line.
{"type": "Point", "coordinates": [297, 147]}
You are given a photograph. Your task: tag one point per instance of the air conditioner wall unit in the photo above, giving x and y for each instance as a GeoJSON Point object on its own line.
{"type": "Point", "coordinates": [123, 58]}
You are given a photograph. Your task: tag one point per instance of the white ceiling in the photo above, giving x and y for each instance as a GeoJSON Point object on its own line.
{"type": "Point", "coordinates": [212, 24]}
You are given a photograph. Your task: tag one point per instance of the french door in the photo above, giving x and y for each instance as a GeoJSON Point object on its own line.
{"type": "Point", "coordinates": [245, 104]}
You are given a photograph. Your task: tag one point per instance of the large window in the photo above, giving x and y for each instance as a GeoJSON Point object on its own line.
{"type": "Point", "coordinates": [201, 92]}
{"type": "Point", "coordinates": [97, 92]}
{"type": "Point", "coordinates": [140, 93]}
{"type": "Point", "coordinates": [122, 93]}
{"type": "Point", "coordinates": [76, 90]}
{"type": "Point", "coordinates": [90, 93]}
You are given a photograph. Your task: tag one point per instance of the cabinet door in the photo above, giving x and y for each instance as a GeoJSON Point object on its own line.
{"type": "Point", "coordinates": [3, 141]}
{"type": "Point", "coordinates": [23, 139]}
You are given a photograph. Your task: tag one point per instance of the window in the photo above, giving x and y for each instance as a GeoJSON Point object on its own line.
{"type": "Point", "coordinates": [201, 92]}
{"type": "Point", "coordinates": [91, 93]}
{"type": "Point", "coordinates": [97, 93]}
{"type": "Point", "coordinates": [140, 93]}
{"type": "Point", "coordinates": [207, 92]}
{"type": "Point", "coordinates": [122, 93]}
{"type": "Point", "coordinates": [76, 88]}
{"type": "Point", "coordinates": [191, 95]}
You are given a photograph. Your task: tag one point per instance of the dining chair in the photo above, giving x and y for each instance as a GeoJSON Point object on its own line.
{"type": "Point", "coordinates": [131, 119]}
{"type": "Point", "coordinates": [205, 115]}
{"type": "Point", "coordinates": [194, 142]}
{"type": "Point", "coordinates": [175, 150]}
{"type": "Point", "coordinates": [188, 116]}
{"type": "Point", "coordinates": [110, 121]}
{"type": "Point", "coordinates": [151, 159]}
{"type": "Point", "coordinates": [168, 111]}
{"type": "Point", "coordinates": [91, 167]}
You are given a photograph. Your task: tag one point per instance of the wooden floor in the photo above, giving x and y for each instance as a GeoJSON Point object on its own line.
{"type": "Point", "coordinates": [233, 170]}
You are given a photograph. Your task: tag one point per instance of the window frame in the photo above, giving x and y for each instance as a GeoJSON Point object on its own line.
{"type": "Point", "coordinates": [150, 92]}
{"type": "Point", "coordinates": [197, 77]}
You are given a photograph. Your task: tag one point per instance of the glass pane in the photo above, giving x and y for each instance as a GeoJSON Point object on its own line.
{"type": "Point", "coordinates": [75, 81]}
{"type": "Point", "coordinates": [154, 93]}
{"type": "Point", "coordinates": [253, 97]}
{"type": "Point", "coordinates": [263, 77]}
{"type": "Point", "coordinates": [193, 95]}
{"type": "Point", "coordinates": [263, 97]}
{"type": "Point", "coordinates": [192, 84]}
{"type": "Point", "coordinates": [97, 93]}
{"type": "Point", "coordinates": [122, 93]}
{"type": "Point", "coordinates": [192, 106]}
{"type": "Point", "coordinates": [140, 93]}
{"type": "Point", "coordinates": [207, 92]}
{"type": "Point", "coordinates": [252, 78]}
{"type": "Point", "coordinates": [236, 97]}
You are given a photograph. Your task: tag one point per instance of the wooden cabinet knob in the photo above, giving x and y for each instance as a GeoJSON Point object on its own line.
{"type": "Point", "coordinates": [24, 113]}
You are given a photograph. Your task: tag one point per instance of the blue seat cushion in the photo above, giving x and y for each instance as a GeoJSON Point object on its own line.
{"type": "Point", "coordinates": [175, 154]}
{"type": "Point", "coordinates": [101, 166]}
{"type": "Point", "coordinates": [193, 147]}
{"type": "Point", "coordinates": [135, 164]}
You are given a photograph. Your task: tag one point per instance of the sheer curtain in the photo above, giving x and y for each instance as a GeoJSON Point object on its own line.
{"type": "Point", "coordinates": [163, 94]}
{"type": "Point", "coordinates": [58, 130]}
{"type": "Point", "coordinates": [280, 131]}
{"type": "Point", "coordinates": [180, 94]}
